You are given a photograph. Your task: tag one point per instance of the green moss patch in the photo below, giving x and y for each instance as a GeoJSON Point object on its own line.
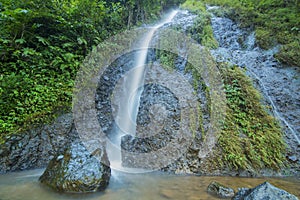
{"type": "Point", "coordinates": [194, 6]}
{"type": "Point", "coordinates": [201, 31]}
{"type": "Point", "coordinates": [290, 53]}
{"type": "Point", "coordinates": [251, 137]}
{"type": "Point", "coordinates": [264, 38]}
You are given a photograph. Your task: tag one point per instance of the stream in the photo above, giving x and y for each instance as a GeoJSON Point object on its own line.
{"type": "Point", "coordinates": [25, 186]}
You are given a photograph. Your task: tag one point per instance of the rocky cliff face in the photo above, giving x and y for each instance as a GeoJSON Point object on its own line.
{"type": "Point", "coordinates": [36, 147]}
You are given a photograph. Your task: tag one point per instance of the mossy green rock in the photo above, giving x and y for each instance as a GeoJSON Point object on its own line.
{"type": "Point", "coordinates": [77, 171]}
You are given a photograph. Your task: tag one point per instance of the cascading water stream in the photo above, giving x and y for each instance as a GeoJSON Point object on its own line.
{"type": "Point", "coordinates": [132, 89]}
{"type": "Point", "coordinates": [128, 111]}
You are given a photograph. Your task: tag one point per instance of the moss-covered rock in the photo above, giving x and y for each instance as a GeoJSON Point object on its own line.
{"type": "Point", "coordinates": [251, 137]}
{"type": "Point", "coordinates": [76, 170]}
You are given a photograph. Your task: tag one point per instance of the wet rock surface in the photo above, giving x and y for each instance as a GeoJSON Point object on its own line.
{"type": "Point", "coordinates": [158, 120]}
{"type": "Point", "coordinates": [219, 190]}
{"type": "Point", "coordinates": [76, 170]}
{"type": "Point", "coordinates": [263, 191]}
{"type": "Point", "coordinates": [159, 117]}
{"type": "Point", "coordinates": [279, 84]}
{"type": "Point", "coordinates": [106, 86]}
{"type": "Point", "coordinates": [36, 147]}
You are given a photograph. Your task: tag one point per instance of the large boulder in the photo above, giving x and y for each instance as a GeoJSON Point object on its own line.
{"type": "Point", "coordinates": [219, 190]}
{"type": "Point", "coordinates": [77, 170]}
{"type": "Point", "coordinates": [264, 191]}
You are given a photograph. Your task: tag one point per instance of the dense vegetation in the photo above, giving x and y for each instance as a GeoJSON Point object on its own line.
{"type": "Point", "coordinates": [274, 21]}
{"type": "Point", "coordinates": [42, 44]}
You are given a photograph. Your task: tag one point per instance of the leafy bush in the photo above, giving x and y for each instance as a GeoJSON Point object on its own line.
{"type": "Point", "coordinates": [194, 6]}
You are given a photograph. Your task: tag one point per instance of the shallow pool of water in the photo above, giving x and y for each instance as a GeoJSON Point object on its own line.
{"type": "Point", "coordinates": [123, 186]}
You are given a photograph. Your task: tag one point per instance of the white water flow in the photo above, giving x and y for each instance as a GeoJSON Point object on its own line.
{"type": "Point", "coordinates": [275, 109]}
{"type": "Point", "coordinates": [129, 100]}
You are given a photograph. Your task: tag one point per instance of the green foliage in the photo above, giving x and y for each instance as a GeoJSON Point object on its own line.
{"type": "Point", "coordinates": [274, 21]}
{"type": "Point", "coordinates": [42, 44]}
{"type": "Point", "coordinates": [24, 101]}
{"type": "Point", "coordinates": [290, 53]}
{"type": "Point", "coordinates": [194, 6]}
{"type": "Point", "coordinates": [264, 38]}
{"type": "Point", "coordinates": [166, 59]}
{"type": "Point", "coordinates": [201, 31]}
{"type": "Point", "coordinates": [251, 138]}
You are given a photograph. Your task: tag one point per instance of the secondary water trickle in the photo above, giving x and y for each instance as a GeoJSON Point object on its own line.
{"type": "Point", "coordinates": [278, 84]}
{"type": "Point", "coordinates": [130, 93]}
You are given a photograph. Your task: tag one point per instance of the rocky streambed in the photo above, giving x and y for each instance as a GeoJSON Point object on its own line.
{"type": "Point", "coordinates": [161, 186]}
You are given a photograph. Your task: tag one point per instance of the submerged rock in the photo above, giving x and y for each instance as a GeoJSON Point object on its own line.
{"type": "Point", "coordinates": [220, 190]}
{"type": "Point", "coordinates": [76, 170]}
{"type": "Point", "coordinates": [264, 191]}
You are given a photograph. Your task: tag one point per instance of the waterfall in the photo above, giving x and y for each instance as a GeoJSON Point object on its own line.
{"type": "Point", "coordinates": [131, 91]}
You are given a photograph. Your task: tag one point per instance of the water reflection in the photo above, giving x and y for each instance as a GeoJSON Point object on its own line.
{"type": "Point", "coordinates": [25, 185]}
